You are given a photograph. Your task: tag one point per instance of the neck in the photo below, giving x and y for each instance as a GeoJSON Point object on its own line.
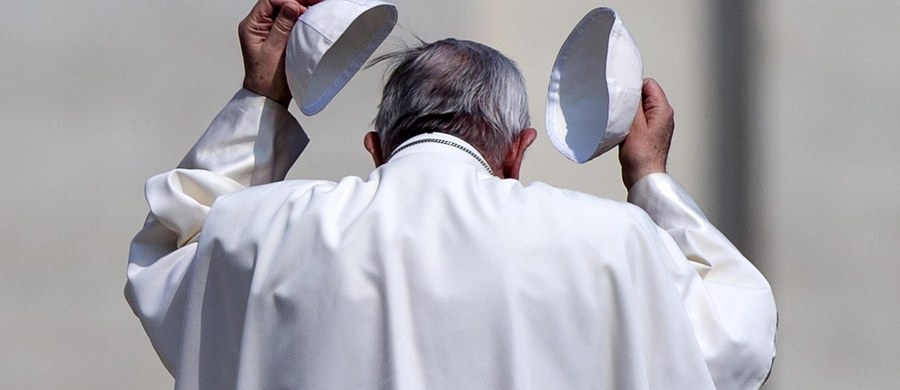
{"type": "Point", "coordinates": [448, 140]}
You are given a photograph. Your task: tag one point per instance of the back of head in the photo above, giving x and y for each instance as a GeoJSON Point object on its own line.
{"type": "Point", "coordinates": [456, 87]}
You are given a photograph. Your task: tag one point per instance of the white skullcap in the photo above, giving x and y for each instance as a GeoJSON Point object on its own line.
{"type": "Point", "coordinates": [595, 87]}
{"type": "Point", "coordinates": [329, 44]}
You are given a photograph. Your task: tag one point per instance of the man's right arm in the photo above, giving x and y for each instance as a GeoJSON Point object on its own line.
{"type": "Point", "coordinates": [252, 141]}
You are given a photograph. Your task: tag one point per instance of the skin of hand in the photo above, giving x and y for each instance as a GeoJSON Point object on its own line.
{"type": "Point", "coordinates": [264, 36]}
{"type": "Point", "coordinates": [646, 148]}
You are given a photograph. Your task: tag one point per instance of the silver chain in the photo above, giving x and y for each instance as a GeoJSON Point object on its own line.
{"type": "Point", "coordinates": [450, 143]}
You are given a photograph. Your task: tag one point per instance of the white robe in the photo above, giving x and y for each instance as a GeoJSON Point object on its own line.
{"type": "Point", "coordinates": [432, 274]}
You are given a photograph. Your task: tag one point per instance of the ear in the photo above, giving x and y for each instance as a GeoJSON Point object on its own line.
{"type": "Point", "coordinates": [372, 142]}
{"type": "Point", "coordinates": [513, 161]}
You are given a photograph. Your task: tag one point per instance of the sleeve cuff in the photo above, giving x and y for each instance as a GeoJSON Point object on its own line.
{"type": "Point", "coordinates": [253, 140]}
{"type": "Point", "coordinates": [245, 93]}
{"type": "Point", "coordinates": [667, 203]}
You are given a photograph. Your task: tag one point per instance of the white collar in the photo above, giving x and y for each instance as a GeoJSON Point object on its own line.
{"type": "Point", "coordinates": [445, 140]}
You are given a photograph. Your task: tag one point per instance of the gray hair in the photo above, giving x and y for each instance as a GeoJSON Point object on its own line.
{"type": "Point", "coordinates": [456, 87]}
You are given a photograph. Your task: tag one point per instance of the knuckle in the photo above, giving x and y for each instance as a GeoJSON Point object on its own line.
{"type": "Point", "coordinates": [282, 25]}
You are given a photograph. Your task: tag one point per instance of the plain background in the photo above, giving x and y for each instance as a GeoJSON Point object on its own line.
{"type": "Point", "coordinates": [95, 97]}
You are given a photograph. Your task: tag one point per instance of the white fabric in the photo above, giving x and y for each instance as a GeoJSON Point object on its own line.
{"type": "Point", "coordinates": [595, 87]}
{"type": "Point", "coordinates": [329, 43]}
{"type": "Point", "coordinates": [432, 274]}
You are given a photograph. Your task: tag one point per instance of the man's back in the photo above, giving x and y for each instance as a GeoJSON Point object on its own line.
{"type": "Point", "coordinates": [441, 270]}
{"type": "Point", "coordinates": [431, 274]}
{"type": "Point", "coordinates": [434, 274]}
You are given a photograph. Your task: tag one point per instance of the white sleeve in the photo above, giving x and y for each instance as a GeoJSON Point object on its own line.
{"type": "Point", "coordinates": [253, 140]}
{"type": "Point", "coordinates": [728, 301]}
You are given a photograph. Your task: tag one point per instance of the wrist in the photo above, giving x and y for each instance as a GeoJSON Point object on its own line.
{"type": "Point", "coordinates": [284, 98]}
{"type": "Point", "coordinates": [631, 174]}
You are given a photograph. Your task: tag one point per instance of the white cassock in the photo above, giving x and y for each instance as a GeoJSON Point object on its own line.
{"type": "Point", "coordinates": [432, 274]}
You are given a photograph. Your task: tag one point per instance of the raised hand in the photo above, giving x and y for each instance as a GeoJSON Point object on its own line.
{"type": "Point", "coordinates": [264, 35]}
{"type": "Point", "coordinates": [646, 148]}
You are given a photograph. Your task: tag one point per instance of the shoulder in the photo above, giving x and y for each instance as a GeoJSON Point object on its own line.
{"type": "Point", "coordinates": [258, 211]}
{"type": "Point", "coordinates": [568, 201]}
{"type": "Point", "coordinates": [571, 211]}
{"type": "Point", "coordinates": [574, 230]}
{"type": "Point", "coordinates": [266, 201]}
{"type": "Point", "coordinates": [272, 192]}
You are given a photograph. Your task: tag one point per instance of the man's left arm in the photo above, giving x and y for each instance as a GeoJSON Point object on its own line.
{"type": "Point", "coordinates": [727, 300]}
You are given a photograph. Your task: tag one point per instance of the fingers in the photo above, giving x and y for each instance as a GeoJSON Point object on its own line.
{"type": "Point", "coordinates": [264, 35]}
{"type": "Point", "coordinates": [253, 29]}
{"type": "Point", "coordinates": [261, 19]}
{"type": "Point", "coordinates": [260, 14]}
{"type": "Point", "coordinates": [284, 22]}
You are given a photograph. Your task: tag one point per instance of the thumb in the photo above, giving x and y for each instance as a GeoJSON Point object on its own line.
{"type": "Point", "coordinates": [284, 23]}
{"type": "Point", "coordinates": [639, 117]}
{"type": "Point", "coordinates": [640, 120]}
{"type": "Point", "coordinates": [656, 105]}
{"type": "Point", "coordinates": [653, 95]}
